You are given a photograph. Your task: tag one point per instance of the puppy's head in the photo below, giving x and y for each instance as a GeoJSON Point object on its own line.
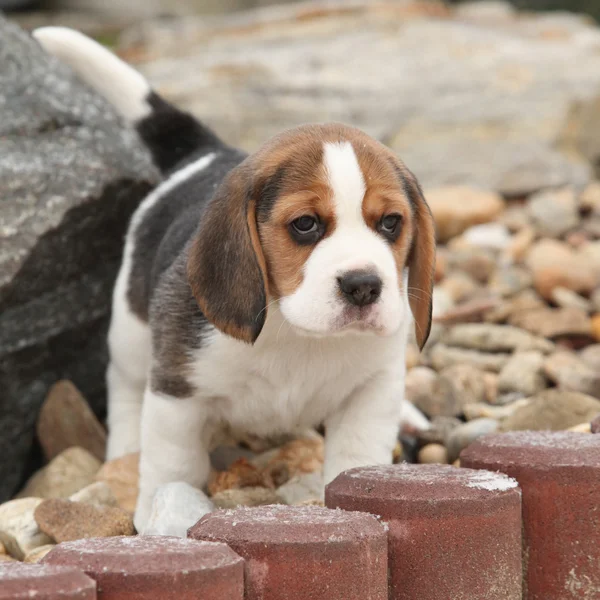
{"type": "Point", "coordinates": [323, 220]}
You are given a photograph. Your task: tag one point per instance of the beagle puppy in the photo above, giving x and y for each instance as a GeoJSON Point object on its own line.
{"type": "Point", "coordinates": [263, 293]}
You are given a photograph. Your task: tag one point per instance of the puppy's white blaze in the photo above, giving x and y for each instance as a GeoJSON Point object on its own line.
{"type": "Point", "coordinates": [346, 182]}
{"type": "Point", "coordinates": [120, 84]}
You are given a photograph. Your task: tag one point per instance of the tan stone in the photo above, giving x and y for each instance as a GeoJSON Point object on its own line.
{"type": "Point", "coordinates": [65, 521]}
{"type": "Point", "coordinates": [555, 264]}
{"type": "Point", "coordinates": [66, 420]}
{"type": "Point", "coordinates": [457, 208]}
{"type": "Point", "coordinates": [122, 476]}
{"type": "Point", "coordinates": [553, 322]}
{"type": "Point", "coordinates": [98, 494]}
{"type": "Point", "coordinates": [19, 532]}
{"type": "Point", "coordinates": [35, 555]}
{"type": "Point", "coordinates": [251, 496]}
{"type": "Point", "coordinates": [433, 454]}
{"type": "Point", "coordinates": [72, 470]}
{"type": "Point", "coordinates": [553, 410]}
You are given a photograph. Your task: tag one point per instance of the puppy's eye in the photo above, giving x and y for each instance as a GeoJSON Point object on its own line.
{"type": "Point", "coordinates": [305, 225]}
{"type": "Point", "coordinates": [389, 225]}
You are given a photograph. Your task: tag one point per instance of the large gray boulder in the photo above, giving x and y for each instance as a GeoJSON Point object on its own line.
{"type": "Point", "coordinates": [478, 95]}
{"type": "Point", "coordinates": [70, 176]}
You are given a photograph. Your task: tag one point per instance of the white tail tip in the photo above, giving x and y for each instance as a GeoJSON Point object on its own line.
{"type": "Point", "coordinates": [123, 86]}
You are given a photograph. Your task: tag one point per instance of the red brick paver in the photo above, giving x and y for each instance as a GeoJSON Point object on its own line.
{"type": "Point", "coordinates": [559, 473]}
{"type": "Point", "coordinates": [303, 553]}
{"type": "Point", "coordinates": [155, 568]}
{"type": "Point", "coordinates": [44, 582]}
{"type": "Point", "coordinates": [453, 533]}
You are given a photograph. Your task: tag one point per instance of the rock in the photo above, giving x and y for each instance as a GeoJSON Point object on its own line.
{"type": "Point", "coordinates": [250, 496]}
{"type": "Point", "coordinates": [595, 300]}
{"type": "Point", "coordinates": [5, 559]}
{"type": "Point", "coordinates": [468, 312]}
{"type": "Point", "coordinates": [413, 356]}
{"type": "Point", "coordinates": [508, 398]}
{"type": "Point", "coordinates": [70, 177]}
{"type": "Point", "coordinates": [549, 97]}
{"type": "Point", "coordinates": [591, 356]}
{"type": "Point", "coordinates": [455, 209]}
{"type": "Point", "coordinates": [553, 212]}
{"type": "Point", "coordinates": [494, 338]}
{"type": "Point", "coordinates": [175, 508]}
{"type": "Point", "coordinates": [527, 300]}
{"type": "Point", "coordinates": [508, 281]}
{"type": "Point", "coordinates": [519, 245]}
{"type": "Point", "coordinates": [595, 426]}
{"type": "Point", "coordinates": [569, 299]}
{"type": "Point", "coordinates": [553, 323]}
{"type": "Point", "coordinates": [489, 235]}
{"type": "Point", "coordinates": [570, 373]}
{"type": "Point", "coordinates": [479, 263]}
{"type": "Point", "coordinates": [99, 494]}
{"type": "Point", "coordinates": [69, 472]}
{"type": "Point", "coordinates": [122, 476]}
{"type": "Point", "coordinates": [442, 301]}
{"type": "Point", "coordinates": [465, 384]}
{"type": "Point", "coordinates": [491, 387]}
{"type": "Point", "coordinates": [438, 432]}
{"type": "Point", "coordinates": [596, 326]}
{"type": "Point", "coordinates": [581, 428]}
{"type": "Point", "coordinates": [523, 373]}
{"type": "Point", "coordinates": [64, 521]}
{"type": "Point", "coordinates": [66, 420]}
{"type": "Point", "coordinates": [433, 454]}
{"type": "Point", "coordinates": [589, 200]}
{"type": "Point", "coordinates": [493, 11]}
{"type": "Point", "coordinates": [305, 455]}
{"type": "Point", "coordinates": [458, 286]}
{"type": "Point", "coordinates": [420, 387]}
{"type": "Point", "coordinates": [481, 410]}
{"type": "Point", "coordinates": [553, 410]}
{"type": "Point", "coordinates": [302, 488]}
{"type": "Point", "coordinates": [36, 555]}
{"type": "Point", "coordinates": [466, 434]}
{"type": "Point", "coordinates": [222, 457]}
{"type": "Point", "coordinates": [444, 356]}
{"type": "Point", "coordinates": [19, 533]}
{"type": "Point", "coordinates": [554, 264]}
{"type": "Point", "coordinates": [515, 216]}
{"type": "Point", "coordinates": [241, 474]}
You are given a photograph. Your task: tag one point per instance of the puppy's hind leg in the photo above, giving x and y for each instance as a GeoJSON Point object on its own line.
{"type": "Point", "coordinates": [129, 342]}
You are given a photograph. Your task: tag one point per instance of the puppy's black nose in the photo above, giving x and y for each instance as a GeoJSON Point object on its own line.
{"type": "Point", "coordinates": [360, 287]}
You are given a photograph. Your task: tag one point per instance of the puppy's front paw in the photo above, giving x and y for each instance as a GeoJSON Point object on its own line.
{"type": "Point", "coordinates": [142, 511]}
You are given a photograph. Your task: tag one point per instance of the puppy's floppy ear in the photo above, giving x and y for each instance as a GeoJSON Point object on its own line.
{"type": "Point", "coordinates": [421, 260]}
{"type": "Point", "coordinates": [226, 266]}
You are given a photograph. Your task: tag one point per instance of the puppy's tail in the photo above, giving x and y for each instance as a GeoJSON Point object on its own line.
{"type": "Point", "coordinates": [170, 134]}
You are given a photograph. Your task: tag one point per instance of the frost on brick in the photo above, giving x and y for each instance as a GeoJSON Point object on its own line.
{"type": "Point", "coordinates": [486, 480]}
{"type": "Point", "coordinates": [434, 475]}
{"type": "Point", "coordinates": [287, 524]}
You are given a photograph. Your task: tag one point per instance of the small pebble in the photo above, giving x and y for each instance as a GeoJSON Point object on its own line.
{"type": "Point", "coordinates": [250, 496]}
{"type": "Point", "coordinates": [433, 454]}
{"type": "Point", "coordinates": [466, 434]}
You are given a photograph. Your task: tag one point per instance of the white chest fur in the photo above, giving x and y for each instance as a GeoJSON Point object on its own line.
{"type": "Point", "coordinates": [287, 380]}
